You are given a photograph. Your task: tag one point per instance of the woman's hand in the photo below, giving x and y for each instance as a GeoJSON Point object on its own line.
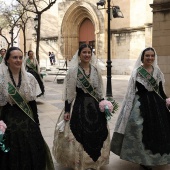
{"type": "Point", "coordinates": [67, 116]}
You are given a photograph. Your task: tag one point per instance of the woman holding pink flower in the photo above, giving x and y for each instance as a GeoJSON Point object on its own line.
{"type": "Point", "coordinates": [81, 139]}
{"type": "Point", "coordinates": [28, 150]}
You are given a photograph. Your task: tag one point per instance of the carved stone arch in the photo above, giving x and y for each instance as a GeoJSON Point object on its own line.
{"type": "Point", "coordinates": [75, 15]}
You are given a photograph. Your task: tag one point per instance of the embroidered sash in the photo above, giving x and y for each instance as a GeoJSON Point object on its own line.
{"type": "Point", "coordinates": [149, 78]}
{"type": "Point", "coordinates": [22, 104]}
{"type": "Point", "coordinates": [30, 64]}
{"type": "Point", "coordinates": [86, 84]}
{"type": "Point", "coordinates": [1, 59]}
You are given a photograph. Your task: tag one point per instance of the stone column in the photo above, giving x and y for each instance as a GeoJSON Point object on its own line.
{"type": "Point", "coordinates": [161, 37]}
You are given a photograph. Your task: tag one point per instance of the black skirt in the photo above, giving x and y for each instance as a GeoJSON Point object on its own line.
{"type": "Point", "coordinates": [156, 125]}
{"type": "Point", "coordinates": [88, 124]}
{"type": "Point", "coordinates": [39, 80]}
{"type": "Point", "coordinates": [24, 138]}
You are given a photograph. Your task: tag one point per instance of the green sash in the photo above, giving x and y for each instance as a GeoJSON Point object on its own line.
{"type": "Point", "coordinates": [1, 59]}
{"type": "Point", "coordinates": [86, 84]}
{"type": "Point", "coordinates": [14, 94]}
{"type": "Point", "coordinates": [149, 78]}
{"type": "Point", "coordinates": [30, 64]}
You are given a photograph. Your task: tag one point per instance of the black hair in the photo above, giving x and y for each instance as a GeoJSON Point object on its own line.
{"type": "Point", "coordinates": [3, 49]}
{"type": "Point", "coordinates": [147, 49]}
{"type": "Point", "coordinates": [8, 53]}
{"type": "Point", "coordinates": [82, 46]}
{"type": "Point", "coordinates": [29, 52]}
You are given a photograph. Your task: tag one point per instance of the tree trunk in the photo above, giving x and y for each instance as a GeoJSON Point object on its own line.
{"type": "Point", "coordinates": [38, 37]}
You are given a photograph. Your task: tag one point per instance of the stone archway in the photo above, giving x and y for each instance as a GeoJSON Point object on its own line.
{"type": "Point", "coordinates": [75, 15]}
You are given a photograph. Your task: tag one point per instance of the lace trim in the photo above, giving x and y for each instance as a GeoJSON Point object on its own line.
{"type": "Point", "coordinates": [145, 83]}
{"type": "Point", "coordinates": [130, 95]}
{"type": "Point", "coordinates": [94, 81]}
{"type": "Point", "coordinates": [27, 90]}
{"type": "Point", "coordinates": [71, 83]}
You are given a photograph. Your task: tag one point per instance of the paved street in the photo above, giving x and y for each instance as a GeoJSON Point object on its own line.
{"type": "Point", "coordinates": [51, 105]}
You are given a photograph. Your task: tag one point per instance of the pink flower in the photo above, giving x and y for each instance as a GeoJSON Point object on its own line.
{"type": "Point", "coordinates": [2, 126]}
{"type": "Point", "coordinates": [168, 101]}
{"type": "Point", "coordinates": [105, 104]}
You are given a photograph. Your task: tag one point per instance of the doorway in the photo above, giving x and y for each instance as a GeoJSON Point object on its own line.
{"type": "Point", "coordinates": [87, 33]}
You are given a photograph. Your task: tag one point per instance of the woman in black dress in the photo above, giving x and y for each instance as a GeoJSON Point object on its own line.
{"type": "Point", "coordinates": [84, 142]}
{"type": "Point", "coordinates": [142, 129]}
{"type": "Point", "coordinates": [32, 67]}
{"type": "Point", "coordinates": [28, 150]}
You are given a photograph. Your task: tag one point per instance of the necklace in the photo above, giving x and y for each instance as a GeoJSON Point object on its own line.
{"type": "Point", "coordinates": [149, 70]}
{"type": "Point", "coordinates": [86, 71]}
{"type": "Point", "coordinates": [19, 79]}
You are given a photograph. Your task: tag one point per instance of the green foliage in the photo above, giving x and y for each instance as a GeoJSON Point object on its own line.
{"type": "Point", "coordinates": [114, 103]}
{"type": "Point", "coordinates": [115, 108]}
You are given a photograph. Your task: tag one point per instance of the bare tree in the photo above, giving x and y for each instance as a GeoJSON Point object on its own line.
{"type": "Point", "coordinates": [37, 7]}
{"type": "Point", "coordinates": [4, 25]}
{"type": "Point", "coordinates": [23, 24]}
{"type": "Point", "coordinates": [11, 15]}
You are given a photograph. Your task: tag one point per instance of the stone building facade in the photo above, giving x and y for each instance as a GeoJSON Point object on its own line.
{"type": "Point", "coordinates": [161, 37]}
{"type": "Point", "coordinates": [129, 35]}
{"type": "Point", "coordinates": [145, 23]}
{"type": "Point", "coordinates": [69, 21]}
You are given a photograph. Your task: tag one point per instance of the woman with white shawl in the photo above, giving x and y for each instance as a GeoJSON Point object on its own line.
{"type": "Point", "coordinates": [18, 109]}
{"type": "Point", "coordinates": [32, 67]}
{"type": "Point", "coordinates": [142, 130]}
{"type": "Point", "coordinates": [83, 142]}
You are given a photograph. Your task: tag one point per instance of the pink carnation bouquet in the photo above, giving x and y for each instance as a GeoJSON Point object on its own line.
{"type": "Point", "coordinates": [2, 132]}
{"type": "Point", "coordinates": [2, 127]}
{"type": "Point", "coordinates": [108, 106]}
{"type": "Point", "coordinates": [105, 104]}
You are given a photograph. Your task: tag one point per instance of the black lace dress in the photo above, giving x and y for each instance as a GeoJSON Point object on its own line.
{"type": "Point", "coordinates": [24, 138]}
{"type": "Point", "coordinates": [88, 124]}
{"type": "Point", "coordinates": [156, 125]}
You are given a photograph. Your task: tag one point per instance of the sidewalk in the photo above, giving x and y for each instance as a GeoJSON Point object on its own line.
{"type": "Point", "coordinates": [51, 104]}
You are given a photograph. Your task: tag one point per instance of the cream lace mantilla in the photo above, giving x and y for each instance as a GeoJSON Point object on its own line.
{"type": "Point", "coordinates": [27, 88]}
{"type": "Point", "coordinates": [130, 95]}
{"type": "Point", "coordinates": [71, 83]}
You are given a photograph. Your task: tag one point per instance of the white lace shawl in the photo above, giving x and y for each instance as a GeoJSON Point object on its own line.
{"type": "Point", "coordinates": [71, 82]}
{"type": "Point", "coordinates": [127, 104]}
{"type": "Point", "coordinates": [28, 88]}
{"type": "Point", "coordinates": [34, 61]}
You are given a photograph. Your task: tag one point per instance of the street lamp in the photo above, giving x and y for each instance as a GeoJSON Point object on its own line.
{"type": "Point", "coordinates": [37, 30]}
{"type": "Point", "coordinates": [116, 14]}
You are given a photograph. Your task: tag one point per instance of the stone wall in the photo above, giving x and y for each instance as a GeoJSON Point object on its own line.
{"type": "Point", "coordinates": [129, 35]}
{"type": "Point", "coordinates": [126, 49]}
{"type": "Point", "coordinates": [161, 37]}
